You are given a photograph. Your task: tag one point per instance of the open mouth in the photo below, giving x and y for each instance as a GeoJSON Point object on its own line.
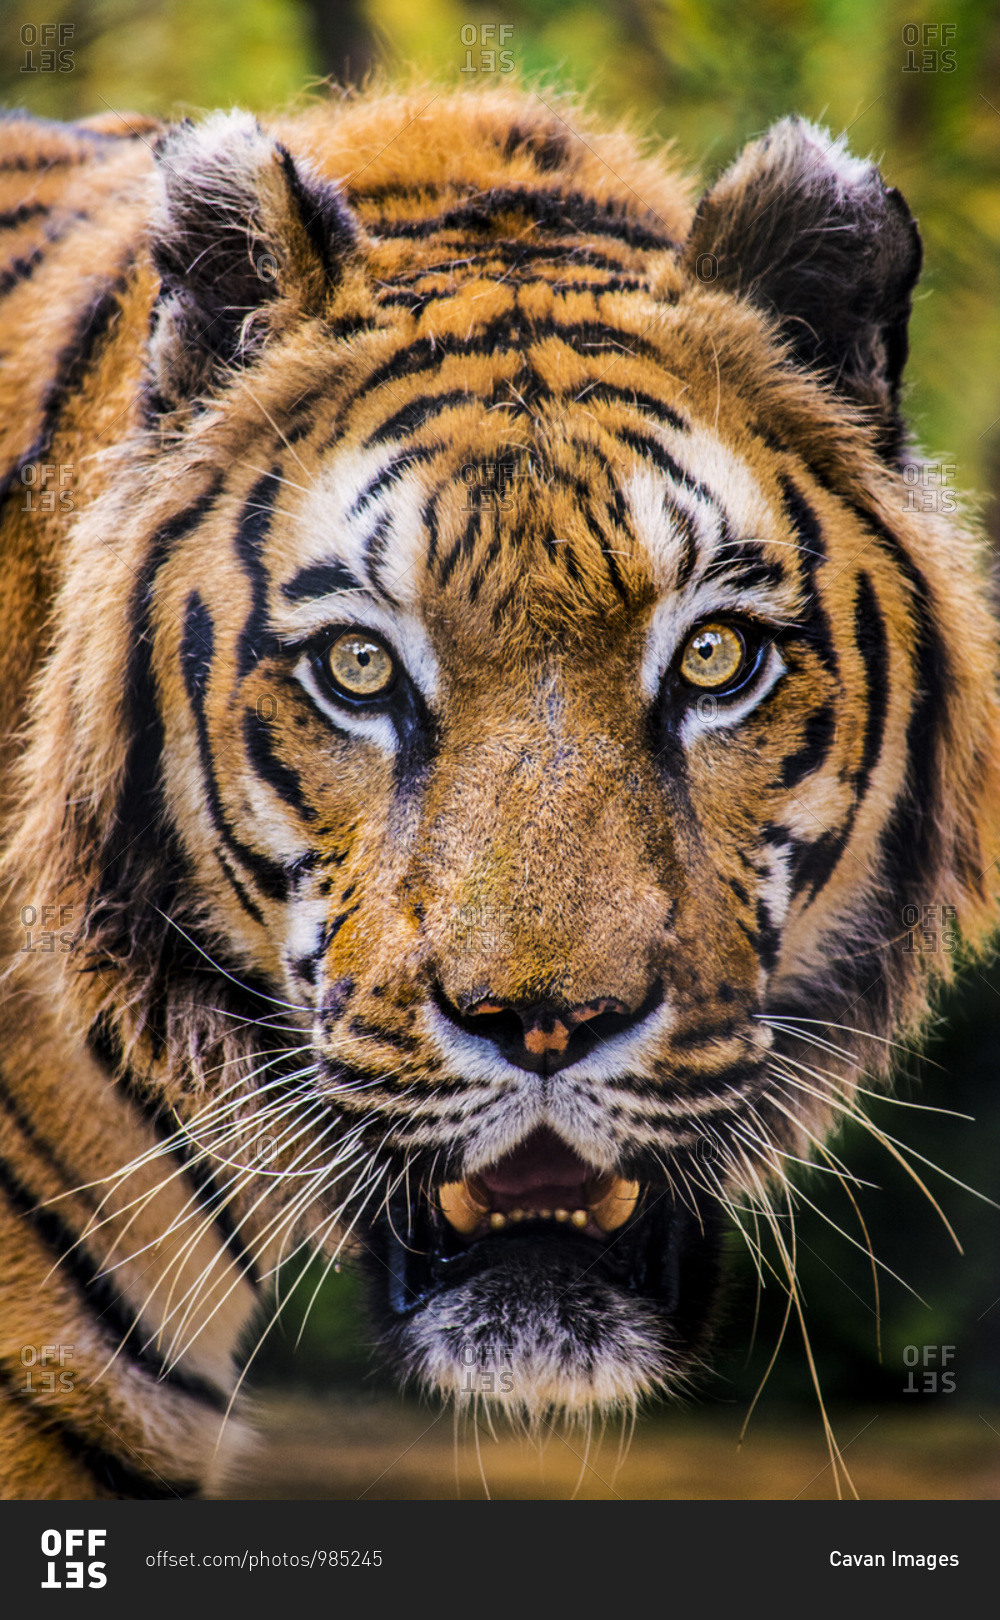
{"type": "Point", "coordinates": [542, 1180]}
{"type": "Point", "coordinates": [545, 1281]}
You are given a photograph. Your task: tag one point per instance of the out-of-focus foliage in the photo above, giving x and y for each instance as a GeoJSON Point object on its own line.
{"type": "Point", "coordinates": [912, 85]}
{"type": "Point", "coordinates": [708, 74]}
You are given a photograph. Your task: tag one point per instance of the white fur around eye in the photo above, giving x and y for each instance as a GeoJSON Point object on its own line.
{"type": "Point", "coordinates": [707, 712]}
{"type": "Point", "coordinates": [376, 728]}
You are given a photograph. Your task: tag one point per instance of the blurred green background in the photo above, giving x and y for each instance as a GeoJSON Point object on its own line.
{"type": "Point", "coordinates": [917, 86]}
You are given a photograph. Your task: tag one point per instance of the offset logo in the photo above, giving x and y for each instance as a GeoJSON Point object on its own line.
{"type": "Point", "coordinates": [70, 1559]}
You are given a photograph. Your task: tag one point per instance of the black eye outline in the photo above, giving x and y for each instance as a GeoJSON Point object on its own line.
{"type": "Point", "coordinates": [319, 660]}
{"type": "Point", "coordinates": [755, 642]}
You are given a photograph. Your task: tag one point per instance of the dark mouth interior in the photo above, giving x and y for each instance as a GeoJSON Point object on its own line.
{"type": "Point", "coordinates": [537, 1206]}
{"type": "Point", "coordinates": [542, 1179]}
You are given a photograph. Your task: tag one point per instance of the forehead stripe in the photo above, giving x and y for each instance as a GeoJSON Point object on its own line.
{"type": "Point", "coordinates": [390, 474]}
{"type": "Point", "coordinates": [653, 451]}
{"type": "Point", "coordinates": [510, 333]}
{"type": "Point", "coordinates": [320, 579]}
{"type": "Point", "coordinates": [604, 393]}
{"type": "Point", "coordinates": [565, 213]}
{"type": "Point", "coordinates": [418, 412]}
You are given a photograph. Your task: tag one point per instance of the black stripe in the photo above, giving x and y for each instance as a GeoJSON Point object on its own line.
{"type": "Point", "coordinates": [515, 255]}
{"type": "Point", "coordinates": [98, 1297]}
{"type": "Point", "coordinates": [197, 653]}
{"type": "Point", "coordinates": [110, 1472]}
{"type": "Point", "coordinates": [376, 548]}
{"type": "Point", "coordinates": [420, 411]}
{"type": "Point", "coordinates": [652, 450]}
{"type": "Point", "coordinates": [510, 333]}
{"type": "Point", "coordinates": [873, 645]}
{"type": "Point", "coordinates": [806, 527]}
{"type": "Point", "coordinates": [549, 149]}
{"type": "Point", "coordinates": [320, 579]}
{"type": "Point", "coordinates": [389, 1037]}
{"type": "Point", "coordinates": [428, 517]}
{"type": "Point", "coordinates": [251, 536]}
{"type": "Point", "coordinates": [605, 393]}
{"type": "Point", "coordinates": [334, 928]}
{"type": "Point", "coordinates": [281, 778]}
{"type": "Point", "coordinates": [23, 269]}
{"type": "Point", "coordinates": [39, 1145]}
{"type": "Point", "coordinates": [463, 546]}
{"type": "Point", "coordinates": [138, 808]}
{"type": "Point", "coordinates": [13, 217]}
{"type": "Point", "coordinates": [391, 474]}
{"type": "Point", "coordinates": [246, 900]}
{"type": "Point", "coordinates": [21, 163]}
{"type": "Point", "coordinates": [743, 562]}
{"type": "Point", "coordinates": [820, 730]}
{"type": "Point", "coordinates": [413, 299]}
{"type": "Point", "coordinates": [910, 839]}
{"type": "Point", "coordinates": [326, 219]}
{"type": "Point", "coordinates": [68, 373]}
{"type": "Point", "coordinates": [689, 1084]}
{"type": "Point", "coordinates": [561, 212]}
{"type": "Point", "coordinates": [768, 937]}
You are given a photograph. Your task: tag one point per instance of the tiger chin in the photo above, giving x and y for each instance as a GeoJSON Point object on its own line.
{"type": "Point", "coordinates": [477, 706]}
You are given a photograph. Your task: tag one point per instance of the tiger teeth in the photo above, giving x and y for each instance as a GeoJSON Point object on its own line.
{"type": "Point", "coordinates": [466, 1211]}
{"type": "Point", "coordinates": [460, 1207]}
{"type": "Point", "coordinates": [617, 1204]}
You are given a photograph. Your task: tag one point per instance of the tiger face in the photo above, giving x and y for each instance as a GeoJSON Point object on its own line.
{"type": "Point", "coordinates": [539, 706]}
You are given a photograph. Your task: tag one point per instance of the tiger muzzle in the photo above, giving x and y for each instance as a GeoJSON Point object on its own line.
{"type": "Point", "coordinates": [544, 1283]}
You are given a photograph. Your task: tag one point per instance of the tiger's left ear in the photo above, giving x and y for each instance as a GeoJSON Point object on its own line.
{"type": "Point", "coordinates": [245, 240]}
{"type": "Point", "coordinates": [815, 237]}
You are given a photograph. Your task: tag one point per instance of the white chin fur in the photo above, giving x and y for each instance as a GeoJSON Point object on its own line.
{"type": "Point", "coordinates": [538, 1362]}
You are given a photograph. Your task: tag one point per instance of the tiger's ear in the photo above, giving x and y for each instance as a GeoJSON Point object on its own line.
{"type": "Point", "coordinates": [815, 237]}
{"type": "Point", "coordinates": [245, 239]}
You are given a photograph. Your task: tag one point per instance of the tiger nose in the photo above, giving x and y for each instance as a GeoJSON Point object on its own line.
{"type": "Point", "coordinates": [543, 1036]}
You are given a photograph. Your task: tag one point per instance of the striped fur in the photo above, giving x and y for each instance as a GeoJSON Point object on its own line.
{"type": "Point", "coordinates": [438, 367]}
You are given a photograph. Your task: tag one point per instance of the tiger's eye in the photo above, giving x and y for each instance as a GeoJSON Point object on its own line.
{"type": "Point", "coordinates": [360, 664]}
{"type": "Point", "coordinates": [712, 656]}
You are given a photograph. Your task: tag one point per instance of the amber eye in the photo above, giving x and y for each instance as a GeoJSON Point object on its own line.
{"type": "Point", "coordinates": [359, 665]}
{"type": "Point", "coordinates": [713, 657]}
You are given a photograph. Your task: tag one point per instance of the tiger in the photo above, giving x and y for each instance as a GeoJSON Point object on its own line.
{"type": "Point", "coordinates": [477, 705]}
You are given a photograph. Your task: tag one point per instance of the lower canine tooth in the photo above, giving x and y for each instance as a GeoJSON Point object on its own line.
{"type": "Point", "coordinates": [617, 1204]}
{"type": "Point", "coordinates": [498, 1221]}
{"type": "Point", "coordinates": [460, 1208]}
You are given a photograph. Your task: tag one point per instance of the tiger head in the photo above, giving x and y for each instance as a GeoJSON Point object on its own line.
{"type": "Point", "coordinates": [529, 706]}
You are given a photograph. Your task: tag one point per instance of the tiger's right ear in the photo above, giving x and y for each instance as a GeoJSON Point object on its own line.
{"type": "Point", "coordinates": [245, 240]}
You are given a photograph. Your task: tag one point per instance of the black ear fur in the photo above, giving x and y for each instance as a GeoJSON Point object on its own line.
{"type": "Point", "coordinates": [816, 238]}
{"type": "Point", "coordinates": [241, 234]}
